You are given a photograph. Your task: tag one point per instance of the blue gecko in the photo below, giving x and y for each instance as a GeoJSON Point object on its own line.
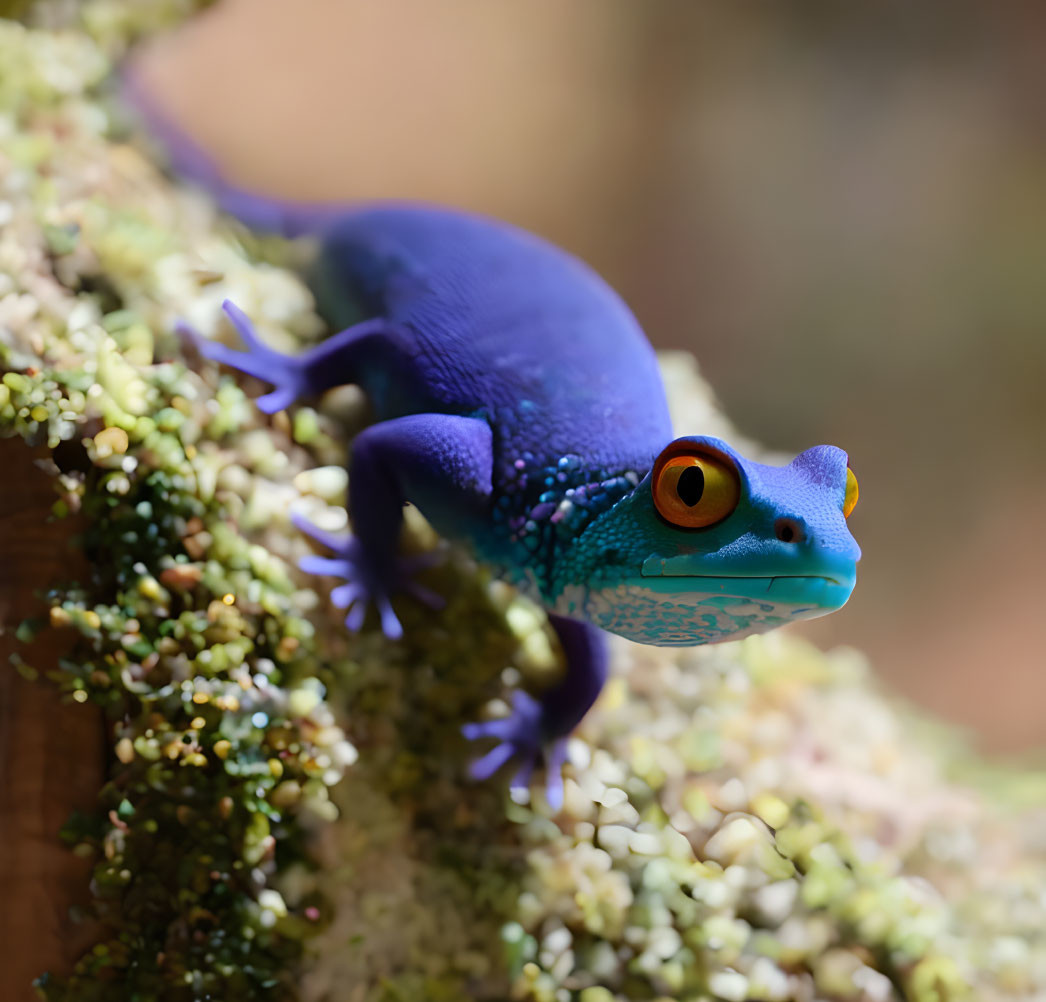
{"type": "Point", "coordinates": [519, 406]}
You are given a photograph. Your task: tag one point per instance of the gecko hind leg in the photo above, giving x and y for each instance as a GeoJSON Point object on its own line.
{"type": "Point", "coordinates": [537, 729]}
{"type": "Point", "coordinates": [333, 362]}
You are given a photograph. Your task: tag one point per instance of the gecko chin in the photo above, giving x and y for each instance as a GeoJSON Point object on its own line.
{"type": "Point", "coordinates": [682, 610]}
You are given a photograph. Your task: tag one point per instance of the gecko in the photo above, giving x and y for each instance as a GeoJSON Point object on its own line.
{"type": "Point", "coordinates": [519, 406]}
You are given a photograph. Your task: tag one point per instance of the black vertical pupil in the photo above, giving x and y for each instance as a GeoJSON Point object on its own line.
{"type": "Point", "coordinates": [691, 485]}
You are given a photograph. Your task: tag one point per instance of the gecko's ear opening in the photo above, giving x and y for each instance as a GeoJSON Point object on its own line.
{"type": "Point", "coordinates": [694, 486]}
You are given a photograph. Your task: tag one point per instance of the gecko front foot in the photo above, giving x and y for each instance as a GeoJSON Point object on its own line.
{"type": "Point", "coordinates": [364, 583]}
{"type": "Point", "coordinates": [285, 372]}
{"type": "Point", "coordinates": [521, 735]}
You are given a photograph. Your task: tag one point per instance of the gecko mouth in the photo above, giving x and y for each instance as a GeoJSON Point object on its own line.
{"type": "Point", "coordinates": [802, 591]}
{"type": "Point", "coordinates": [769, 578]}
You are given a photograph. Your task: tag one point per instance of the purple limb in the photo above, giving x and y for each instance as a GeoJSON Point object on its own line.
{"type": "Point", "coordinates": [331, 363]}
{"type": "Point", "coordinates": [521, 780]}
{"type": "Point", "coordinates": [437, 461]}
{"type": "Point", "coordinates": [285, 372]}
{"type": "Point", "coordinates": [503, 729]}
{"type": "Point", "coordinates": [539, 729]}
{"type": "Point", "coordinates": [485, 767]}
{"type": "Point", "coordinates": [362, 585]}
{"type": "Point", "coordinates": [390, 624]}
{"type": "Point", "coordinates": [355, 617]}
{"type": "Point", "coordinates": [338, 543]}
{"type": "Point", "coordinates": [278, 400]}
{"type": "Point", "coordinates": [244, 327]}
{"type": "Point", "coordinates": [557, 756]}
{"type": "Point", "coordinates": [344, 595]}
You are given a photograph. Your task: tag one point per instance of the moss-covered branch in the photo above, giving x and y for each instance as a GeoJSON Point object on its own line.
{"type": "Point", "coordinates": [753, 821]}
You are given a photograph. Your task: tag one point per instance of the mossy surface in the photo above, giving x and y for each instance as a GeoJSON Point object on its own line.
{"type": "Point", "coordinates": [287, 814]}
{"type": "Point", "coordinates": [193, 637]}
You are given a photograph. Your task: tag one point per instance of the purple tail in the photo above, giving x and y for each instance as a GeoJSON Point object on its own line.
{"type": "Point", "coordinates": [191, 163]}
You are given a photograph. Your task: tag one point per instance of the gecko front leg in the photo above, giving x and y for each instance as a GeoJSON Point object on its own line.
{"type": "Point", "coordinates": [440, 462]}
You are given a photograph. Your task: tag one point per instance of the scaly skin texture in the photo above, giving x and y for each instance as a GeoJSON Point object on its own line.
{"type": "Point", "coordinates": [519, 406]}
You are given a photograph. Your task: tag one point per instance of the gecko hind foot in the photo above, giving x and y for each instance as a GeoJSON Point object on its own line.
{"type": "Point", "coordinates": [285, 372]}
{"type": "Point", "coordinates": [521, 736]}
{"type": "Point", "coordinates": [363, 585]}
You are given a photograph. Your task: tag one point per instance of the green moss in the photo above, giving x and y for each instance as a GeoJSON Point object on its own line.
{"type": "Point", "coordinates": [191, 637]}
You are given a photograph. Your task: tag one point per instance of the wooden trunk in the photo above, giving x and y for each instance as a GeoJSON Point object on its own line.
{"type": "Point", "coordinates": [52, 755]}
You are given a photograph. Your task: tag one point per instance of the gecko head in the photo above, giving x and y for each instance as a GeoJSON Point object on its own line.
{"type": "Point", "coordinates": [712, 546]}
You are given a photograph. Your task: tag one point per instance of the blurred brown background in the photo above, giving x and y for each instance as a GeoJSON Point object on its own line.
{"type": "Point", "coordinates": [841, 208]}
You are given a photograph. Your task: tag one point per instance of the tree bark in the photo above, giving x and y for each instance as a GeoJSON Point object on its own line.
{"type": "Point", "coordinates": [52, 755]}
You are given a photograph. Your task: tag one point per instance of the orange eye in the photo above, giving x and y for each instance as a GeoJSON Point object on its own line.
{"type": "Point", "coordinates": [694, 490]}
{"type": "Point", "coordinates": [850, 498]}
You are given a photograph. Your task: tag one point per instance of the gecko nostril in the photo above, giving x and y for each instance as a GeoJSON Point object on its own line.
{"type": "Point", "coordinates": [788, 530]}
